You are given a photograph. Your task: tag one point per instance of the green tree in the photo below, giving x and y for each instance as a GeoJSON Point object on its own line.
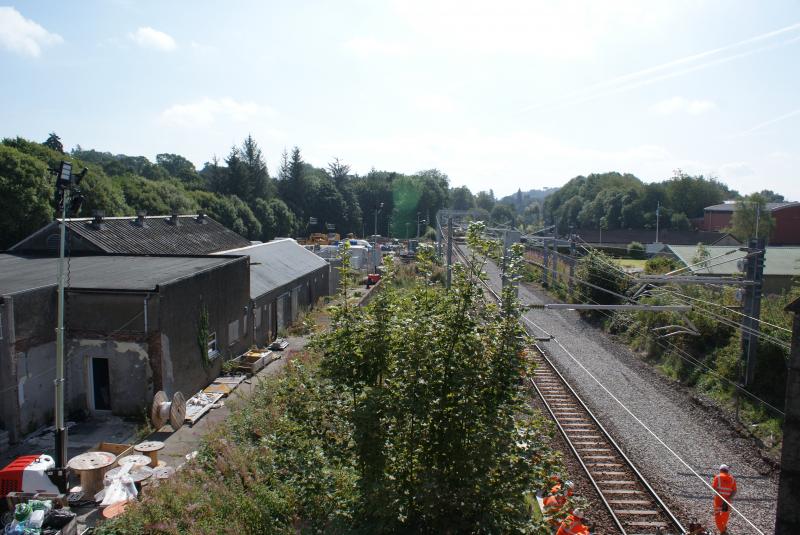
{"type": "Point", "coordinates": [54, 142]}
{"type": "Point", "coordinates": [503, 214]}
{"type": "Point", "coordinates": [25, 196]}
{"type": "Point", "coordinates": [443, 436]}
{"type": "Point", "coordinates": [155, 196]}
{"type": "Point", "coordinates": [461, 198]}
{"type": "Point", "coordinates": [178, 167]}
{"type": "Point", "coordinates": [292, 184]}
{"type": "Point", "coordinates": [485, 200]}
{"type": "Point", "coordinates": [751, 219]}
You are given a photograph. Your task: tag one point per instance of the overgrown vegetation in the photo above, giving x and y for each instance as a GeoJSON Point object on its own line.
{"type": "Point", "coordinates": [710, 361]}
{"type": "Point", "coordinates": [410, 417]}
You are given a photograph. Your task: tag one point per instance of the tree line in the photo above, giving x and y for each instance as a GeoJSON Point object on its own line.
{"type": "Point", "coordinates": [239, 192]}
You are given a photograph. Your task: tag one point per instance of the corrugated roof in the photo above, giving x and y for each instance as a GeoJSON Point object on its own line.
{"type": "Point", "coordinates": [731, 206]}
{"type": "Point", "coordinates": [123, 235]}
{"type": "Point", "coordinates": [19, 273]}
{"type": "Point", "coordinates": [277, 263]}
{"type": "Point", "coordinates": [777, 260]}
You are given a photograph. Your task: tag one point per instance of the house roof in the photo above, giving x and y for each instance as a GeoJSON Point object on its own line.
{"type": "Point", "coordinates": [277, 263]}
{"type": "Point", "coordinates": [123, 235]}
{"type": "Point", "coordinates": [778, 261]}
{"type": "Point", "coordinates": [19, 273]}
{"type": "Point", "coordinates": [676, 237]}
{"type": "Point", "coordinates": [731, 206]}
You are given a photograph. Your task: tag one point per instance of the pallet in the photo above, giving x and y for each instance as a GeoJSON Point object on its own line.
{"type": "Point", "coordinates": [195, 412]}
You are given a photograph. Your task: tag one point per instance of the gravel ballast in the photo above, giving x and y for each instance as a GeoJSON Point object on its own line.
{"type": "Point", "coordinates": [695, 433]}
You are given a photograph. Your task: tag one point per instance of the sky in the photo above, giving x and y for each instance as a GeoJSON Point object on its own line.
{"type": "Point", "coordinates": [503, 94]}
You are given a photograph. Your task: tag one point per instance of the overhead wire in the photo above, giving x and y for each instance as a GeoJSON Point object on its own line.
{"type": "Point", "coordinates": [640, 422]}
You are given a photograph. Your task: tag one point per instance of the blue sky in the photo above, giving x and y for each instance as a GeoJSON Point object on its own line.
{"type": "Point", "coordinates": [501, 94]}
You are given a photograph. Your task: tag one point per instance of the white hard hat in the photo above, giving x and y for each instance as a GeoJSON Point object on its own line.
{"type": "Point", "coordinates": [724, 468]}
{"type": "Point", "coordinates": [578, 513]}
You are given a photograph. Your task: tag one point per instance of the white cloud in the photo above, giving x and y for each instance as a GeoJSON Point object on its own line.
{"type": "Point", "coordinates": [365, 47]}
{"type": "Point", "coordinates": [208, 111]}
{"type": "Point", "coordinates": [433, 103]}
{"type": "Point", "coordinates": [22, 35]}
{"type": "Point", "coordinates": [504, 162]}
{"type": "Point", "coordinates": [735, 170]}
{"type": "Point", "coordinates": [675, 105]}
{"type": "Point", "coordinates": [147, 37]}
{"type": "Point", "coordinates": [540, 28]}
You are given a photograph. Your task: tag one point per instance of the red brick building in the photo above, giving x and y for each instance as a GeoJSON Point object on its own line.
{"type": "Point", "coordinates": [785, 214]}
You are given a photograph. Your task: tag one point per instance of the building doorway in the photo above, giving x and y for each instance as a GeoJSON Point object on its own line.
{"type": "Point", "coordinates": [101, 384]}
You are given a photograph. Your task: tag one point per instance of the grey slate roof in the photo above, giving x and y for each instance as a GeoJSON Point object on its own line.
{"type": "Point", "coordinates": [19, 273]}
{"type": "Point", "coordinates": [731, 206]}
{"type": "Point", "coordinates": [277, 263]}
{"type": "Point", "coordinates": [122, 235]}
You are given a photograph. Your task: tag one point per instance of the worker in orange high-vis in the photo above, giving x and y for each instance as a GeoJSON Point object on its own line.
{"type": "Point", "coordinates": [558, 496]}
{"type": "Point", "coordinates": [573, 524]}
{"type": "Point", "coordinates": [725, 485]}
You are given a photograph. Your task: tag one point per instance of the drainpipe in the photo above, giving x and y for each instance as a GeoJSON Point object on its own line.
{"type": "Point", "coordinates": [146, 299]}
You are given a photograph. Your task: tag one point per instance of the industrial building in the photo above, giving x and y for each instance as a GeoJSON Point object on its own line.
{"type": "Point", "coordinates": [285, 278]}
{"type": "Point", "coordinates": [785, 214]}
{"type": "Point", "coordinates": [133, 325]}
{"type": "Point", "coordinates": [781, 264]}
{"type": "Point", "coordinates": [174, 234]}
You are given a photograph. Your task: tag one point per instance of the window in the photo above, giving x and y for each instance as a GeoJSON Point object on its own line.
{"type": "Point", "coordinates": [256, 319]}
{"type": "Point", "coordinates": [212, 345]}
{"type": "Point", "coordinates": [233, 332]}
{"type": "Point", "coordinates": [244, 323]}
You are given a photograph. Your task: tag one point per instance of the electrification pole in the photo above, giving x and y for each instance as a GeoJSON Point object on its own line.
{"type": "Point", "coordinates": [787, 519]}
{"type": "Point", "coordinates": [449, 251]}
{"type": "Point", "coordinates": [754, 273]}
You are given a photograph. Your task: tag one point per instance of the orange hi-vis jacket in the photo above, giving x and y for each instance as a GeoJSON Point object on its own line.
{"type": "Point", "coordinates": [572, 526]}
{"type": "Point", "coordinates": [555, 500]}
{"type": "Point", "coordinates": [725, 485]}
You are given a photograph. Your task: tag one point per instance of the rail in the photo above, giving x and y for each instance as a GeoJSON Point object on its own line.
{"type": "Point", "coordinates": [632, 502]}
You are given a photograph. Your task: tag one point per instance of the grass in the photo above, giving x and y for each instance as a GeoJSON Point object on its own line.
{"type": "Point", "coordinates": [630, 263]}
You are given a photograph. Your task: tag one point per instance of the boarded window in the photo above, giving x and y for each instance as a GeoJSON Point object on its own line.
{"type": "Point", "coordinates": [233, 332]}
{"type": "Point", "coordinates": [212, 345]}
{"type": "Point", "coordinates": [257, 318]}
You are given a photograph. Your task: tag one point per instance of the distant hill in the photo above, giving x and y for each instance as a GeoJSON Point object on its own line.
{"type": "Point", "coordinates": [521, 199]}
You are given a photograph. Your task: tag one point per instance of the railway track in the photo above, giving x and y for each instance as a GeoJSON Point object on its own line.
{"type": "Point", "coordinates": [634, 505]}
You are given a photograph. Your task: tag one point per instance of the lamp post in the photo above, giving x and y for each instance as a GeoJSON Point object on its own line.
{"type": "Point", "coordinates": [68, 196]}
{"type": "Point", "coordinates": [378, 209]}
{"type": "Point", "coordinates": [419, 221]}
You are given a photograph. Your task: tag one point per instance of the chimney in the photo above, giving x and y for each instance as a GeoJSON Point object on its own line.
{"type": "Point", "coordinates": [141, 220]}
{"type": "Point", "coordinates": [173, 220]}
{"type": "Point", "coordinates": [97, 222]}
{"type": "Point", "coordinates": [201, 217]}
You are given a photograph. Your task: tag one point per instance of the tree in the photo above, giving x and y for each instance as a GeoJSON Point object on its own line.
{"type": "Point", "coordinates": [338, 171]}
{"type": "Point", "coordinates": [485, 200]}
{"type": "Point", "coordinates": [443, 437]}
{"type": "Point", "coordinates": [461, 198]}
{"type": "Point", "coordinates": [54, 142]}
{"type": "Point", "coordinates": [156, 196]}
{"type": "Point", "coordinates": [25, 196]}
{"type": "Point", "coordinates": [503, 214]}
{"type": "Point", "coordinates": [679, 221]}
{"type": "Point", "coordinates": [292, 185]}
{"type": "Point", "coordinates": [751, 219]}
{"type": "Point", "coordinates": [177, 167]}
{"type": "Point", "coordinates": [771, 196]}
{"type": "Point", "coordinates": [259, 183]}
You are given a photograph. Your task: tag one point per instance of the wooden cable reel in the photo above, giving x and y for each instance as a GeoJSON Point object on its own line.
{"type": "Point", "coordinates": [164, 410]}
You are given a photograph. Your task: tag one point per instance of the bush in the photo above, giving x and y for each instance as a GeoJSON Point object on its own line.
{"type": "Point", "coordinates": [636, 250]}
{"type": "Point", "coordinates": [659, 265]}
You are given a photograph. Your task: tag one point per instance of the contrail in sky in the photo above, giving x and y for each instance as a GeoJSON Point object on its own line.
{"type": "Point", "coordinates": [772, 121]}
{"type": "Point", "coordinates": [643, 77]}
